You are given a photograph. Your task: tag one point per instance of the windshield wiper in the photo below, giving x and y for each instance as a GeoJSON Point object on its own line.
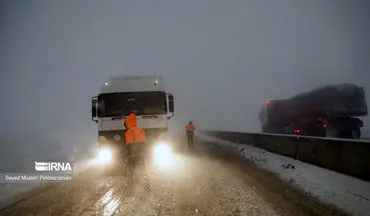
{"type": "Point", "coordinates": [150, 116]}
{"type": "Point", "coordinates": [117, 117]}
{"type": "Point", "coordinates": [124, 115]}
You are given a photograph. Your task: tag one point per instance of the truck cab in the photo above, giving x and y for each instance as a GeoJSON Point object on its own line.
{"type": "Point", "coordinates": [145, 96]}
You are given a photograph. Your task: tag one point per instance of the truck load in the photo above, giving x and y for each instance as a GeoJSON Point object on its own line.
{"type": "Point", "coordinates": [328, 111]}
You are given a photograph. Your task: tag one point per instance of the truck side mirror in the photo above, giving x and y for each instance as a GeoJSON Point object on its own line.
{"type": "Point", "coordinates": [171, 106]}
{"type": "Point", "coordinates": [94, 109]}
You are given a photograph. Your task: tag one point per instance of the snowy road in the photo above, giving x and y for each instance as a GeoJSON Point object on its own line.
{"type": "Point", "coordinates": [200, 183]}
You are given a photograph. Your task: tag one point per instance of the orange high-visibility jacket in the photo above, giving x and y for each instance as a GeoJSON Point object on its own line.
{"type": "Point", "coordinates": [134, 134]}
{"type": "Point", "coordinates": [190, 128]}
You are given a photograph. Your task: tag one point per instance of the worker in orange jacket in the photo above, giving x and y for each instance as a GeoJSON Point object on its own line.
{"type": "Point", "coordinates": [190, 128]}
{"type": "Point", "coordinates": [135, 136]}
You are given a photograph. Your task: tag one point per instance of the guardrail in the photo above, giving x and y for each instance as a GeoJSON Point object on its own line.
{"type": "Point", "coordinates": [350, 157]}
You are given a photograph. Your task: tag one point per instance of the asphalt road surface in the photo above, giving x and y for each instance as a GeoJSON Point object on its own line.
{"type": "Point", "coordinates": [203, 182]}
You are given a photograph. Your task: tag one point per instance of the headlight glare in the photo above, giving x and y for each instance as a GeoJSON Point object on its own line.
{"type": "Point", "coordinates": [163, 154]}
{"type": "Point", "coordinates": [104, 156]}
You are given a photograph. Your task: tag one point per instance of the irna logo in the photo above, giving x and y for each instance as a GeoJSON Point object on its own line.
{"type": "Point", "coordinates": [53, 166]}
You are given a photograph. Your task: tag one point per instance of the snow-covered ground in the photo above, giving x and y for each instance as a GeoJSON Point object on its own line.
{"type": "Point", "coordinates": [348, 193]}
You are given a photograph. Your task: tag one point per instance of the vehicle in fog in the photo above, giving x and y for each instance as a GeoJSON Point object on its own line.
{"type": "Point", "coordinates": [328, 111]}
{"type": "Point", "coordinates": [143, 95]}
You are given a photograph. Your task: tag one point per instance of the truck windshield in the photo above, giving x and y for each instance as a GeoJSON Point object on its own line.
{"type": "Point", "coordinates": [143, 103]}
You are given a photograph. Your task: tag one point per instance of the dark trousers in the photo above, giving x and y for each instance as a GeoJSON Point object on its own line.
{"type": "Point", "coordinates": [135, 151]}
{"type": "Point", "coordinates": [190, 139]}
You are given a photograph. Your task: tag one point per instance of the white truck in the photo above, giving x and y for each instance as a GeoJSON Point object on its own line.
{"type": "Point", "coordinates": [143, 95]}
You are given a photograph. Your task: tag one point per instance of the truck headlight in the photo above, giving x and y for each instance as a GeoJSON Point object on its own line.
{"type": "Point", "coordinates": [163, 154]}
{"type": "Point", "coordinates": [104, 156]}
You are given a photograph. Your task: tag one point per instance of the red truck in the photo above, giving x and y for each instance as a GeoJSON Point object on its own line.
{"type": "Point", "coordinates": [328, 111]}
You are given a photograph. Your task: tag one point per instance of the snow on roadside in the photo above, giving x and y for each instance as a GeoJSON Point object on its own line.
{"type": "Point", "coordinates": [345, 192]}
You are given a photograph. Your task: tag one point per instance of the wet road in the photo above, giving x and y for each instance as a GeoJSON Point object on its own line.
{"type": "Point", "coordinates": [197, 184]}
